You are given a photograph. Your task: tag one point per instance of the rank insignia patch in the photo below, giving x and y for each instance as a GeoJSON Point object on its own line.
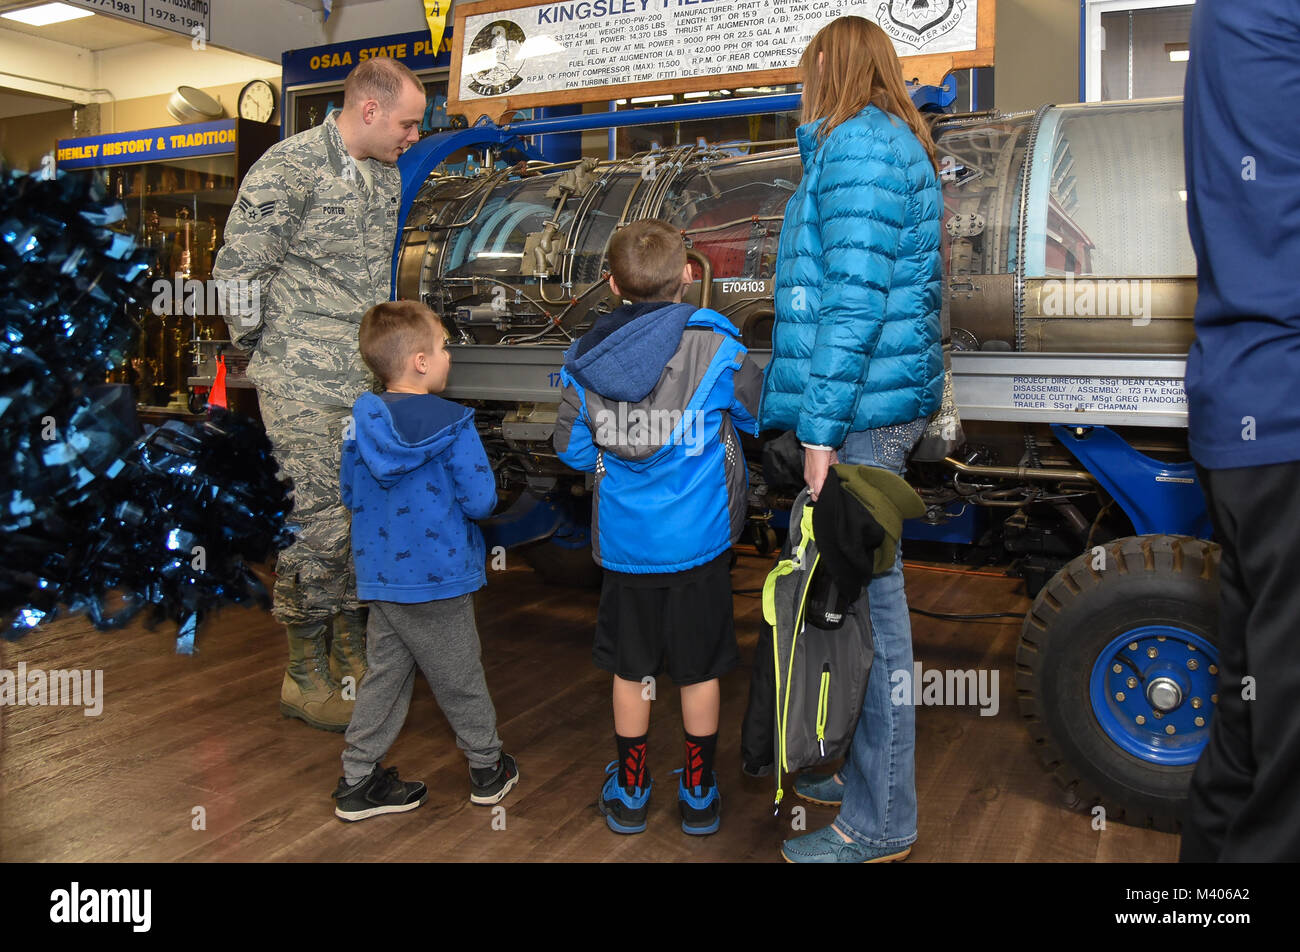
{"type": "Point", "coordinates": [254, 212]}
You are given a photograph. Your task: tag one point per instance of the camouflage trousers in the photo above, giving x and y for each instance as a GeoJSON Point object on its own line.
{"type": "Point", "coordinates": [314, 577]}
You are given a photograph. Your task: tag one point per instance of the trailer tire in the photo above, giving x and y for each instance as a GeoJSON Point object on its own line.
{"type": "Point", "coordinates": [1118, 650]}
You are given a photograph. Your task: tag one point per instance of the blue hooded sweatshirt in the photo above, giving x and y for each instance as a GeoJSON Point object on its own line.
{"type": "Point", "coordinates": [414, 474]}
{"type": "Point", "coordinates": [1243, 212]}
{"type": "Point", "coordinates": [653, 398]}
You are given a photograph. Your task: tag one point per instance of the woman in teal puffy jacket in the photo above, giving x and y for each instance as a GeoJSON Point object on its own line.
{"type": "Point", "coordinates": [856, 371]}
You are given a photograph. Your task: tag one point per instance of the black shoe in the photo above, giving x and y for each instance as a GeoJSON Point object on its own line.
{"type": "Point", "coordinates": [624, 808]}
{"type": "Point", "coordinates": [381, 792]}
{"type": "Point", "coordinates": [488, 785]}
{"type": "Point", "coordinates": [700, 807]}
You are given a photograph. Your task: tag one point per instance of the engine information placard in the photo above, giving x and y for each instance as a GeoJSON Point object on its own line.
{"type": "Point", "coordinates": [591, 44]}
{"type": "Point", "coordinates": [1079, 394]}
{"type": "Point", "coordinates": [1119, 389]}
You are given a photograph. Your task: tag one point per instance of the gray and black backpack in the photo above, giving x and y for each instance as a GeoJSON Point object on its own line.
{"type": "Point", "coordinates": [821, 649]}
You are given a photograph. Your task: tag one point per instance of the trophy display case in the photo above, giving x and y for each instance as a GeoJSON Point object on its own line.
{"type": "Point", "coordinates": [177, 203]}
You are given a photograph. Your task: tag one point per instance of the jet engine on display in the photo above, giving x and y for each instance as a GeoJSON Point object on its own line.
{"type": "Point", "coordinates": [1069, 290]}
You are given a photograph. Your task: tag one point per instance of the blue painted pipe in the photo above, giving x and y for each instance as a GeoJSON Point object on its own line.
{"type": "Point", "coordinates": [679, 112]}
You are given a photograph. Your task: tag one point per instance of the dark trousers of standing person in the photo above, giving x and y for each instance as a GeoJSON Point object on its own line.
{"type": "Point", "coordinates": [1245, 796]}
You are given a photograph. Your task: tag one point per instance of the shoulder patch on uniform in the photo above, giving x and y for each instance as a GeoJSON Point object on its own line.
{"type": "Point", "coordinates": [254, 212]}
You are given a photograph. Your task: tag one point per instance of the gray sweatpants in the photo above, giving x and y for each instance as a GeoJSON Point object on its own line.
{"type": "Point", "coordinates": [439, 637]}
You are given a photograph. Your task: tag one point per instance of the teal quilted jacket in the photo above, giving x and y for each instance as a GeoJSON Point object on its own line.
{"type": "Point", "coordinates": [856, 342]}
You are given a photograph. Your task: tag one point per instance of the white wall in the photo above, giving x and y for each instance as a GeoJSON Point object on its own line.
{"type": "Point", "coordinates": [12, 105]}
{"type": "Point", "coordinates": [51, 64]}
{"type": "Point", "coordinates": [267, 28]}
{"type": "Point", "coordinates": [150, 69]}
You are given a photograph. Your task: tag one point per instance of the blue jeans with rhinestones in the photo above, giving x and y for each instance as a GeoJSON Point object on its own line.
{"type": "Point", "coordinates": [879, 801]}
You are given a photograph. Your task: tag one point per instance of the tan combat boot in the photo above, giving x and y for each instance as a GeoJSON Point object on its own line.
{"type": "Point", "coordinates": [348, 652]}
{"type": "Point", "coordinates": [308, 691]}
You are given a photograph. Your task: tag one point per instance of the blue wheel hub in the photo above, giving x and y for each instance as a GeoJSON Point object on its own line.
{"type": "Point", "coordinates": [1153, 691]}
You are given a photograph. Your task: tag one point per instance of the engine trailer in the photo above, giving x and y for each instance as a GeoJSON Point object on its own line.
{"type": "Point", "coordinates": [1069, 291]}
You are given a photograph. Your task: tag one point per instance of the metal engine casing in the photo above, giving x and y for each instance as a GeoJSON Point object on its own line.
{"type": "Point", "coordinates": [514, 260]}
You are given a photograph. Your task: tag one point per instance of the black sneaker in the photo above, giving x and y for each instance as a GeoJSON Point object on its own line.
{"type": "Point", "coordinates": [700, 807]}
{"type": "Point", "coordinates": [381, 792]}
{"type": "Point", "coordinates": [624, 808]}
{"type": "Point", "coordinates": [488, 785]}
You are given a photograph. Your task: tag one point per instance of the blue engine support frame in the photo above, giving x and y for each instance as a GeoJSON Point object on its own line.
{"type": "Point", "coordinates": [1159, 498]}
{"type": "Point", "coordinates": [532, 518]}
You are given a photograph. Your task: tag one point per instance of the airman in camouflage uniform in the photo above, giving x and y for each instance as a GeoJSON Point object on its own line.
{"type": "Point", "coordinates": [314, 227]}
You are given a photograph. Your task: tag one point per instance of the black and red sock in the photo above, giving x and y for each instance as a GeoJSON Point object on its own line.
{"type": "Point", "coordinates": [631, 760]}
{"type": "Point", "coordinates": [698, 771]}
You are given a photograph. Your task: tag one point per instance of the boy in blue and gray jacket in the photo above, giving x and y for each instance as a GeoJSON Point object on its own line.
{"type": "Point", "coordinates": [653, 396]}
{"type": "Point", "coordinates": [414, 475]}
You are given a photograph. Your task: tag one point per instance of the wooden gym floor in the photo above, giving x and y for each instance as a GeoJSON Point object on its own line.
{"type": "Point", "coordinates": [181, 733]}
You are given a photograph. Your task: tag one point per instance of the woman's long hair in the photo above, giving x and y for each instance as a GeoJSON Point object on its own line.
{"type": "Point", "coordinates": [859, 67]}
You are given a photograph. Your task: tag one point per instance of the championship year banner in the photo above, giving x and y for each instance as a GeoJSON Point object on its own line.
{"type": "Point", "coordinates": [191, 18]}
{"type": "Point", "coordinates": [512, 54]}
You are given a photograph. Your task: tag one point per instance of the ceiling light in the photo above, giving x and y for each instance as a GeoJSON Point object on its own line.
{"type": "Point", "coordinates": [1178, 52]}
{"type": "Point", "coordinates": [47, 13]}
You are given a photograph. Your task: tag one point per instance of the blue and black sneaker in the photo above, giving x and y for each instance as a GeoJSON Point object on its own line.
{"type": "Point", "coordinates": [625, 808]}
{"type": "Point", "coordinates": [701, 807]}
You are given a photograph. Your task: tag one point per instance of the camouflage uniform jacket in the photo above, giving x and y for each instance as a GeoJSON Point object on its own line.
{"type": "Point", "coordinates": [319, 247]}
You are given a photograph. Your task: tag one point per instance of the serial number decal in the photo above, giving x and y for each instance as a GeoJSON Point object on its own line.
{"type": "Point", "coordinates": [754, 287]}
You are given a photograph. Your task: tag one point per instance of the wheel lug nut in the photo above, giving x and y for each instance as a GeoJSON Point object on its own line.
{"type": "Point", "coordinates": [1214, 669]}
{"type": "Point", "coordinates": [1200, 722]}
{"type": "Point", "coordinates": [1132, 646]}
{"type": "Point", "coordinates": [1131, 682]}
{"type": "Point", "coordinates": [1169, 728]}
{"type": "Point", "coordinates": [1197, 702]}
{"type": "Point", "coordinates": [1151, 652]}
{"type": "Point", "coordinates": [1192, 664]}
{"type": "Point", "coordinates": [1118, 668]}
{"type": "Point", "coordinates": [1119, 696]}
{"type": "Point", "coordinates": [1140, 719]}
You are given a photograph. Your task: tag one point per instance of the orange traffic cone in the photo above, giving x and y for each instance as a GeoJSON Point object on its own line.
{"type": "Point", "coordinates": [217, 398]}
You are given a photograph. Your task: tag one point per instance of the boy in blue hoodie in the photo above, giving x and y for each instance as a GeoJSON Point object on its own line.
{"type": "Point", "coordinates": [414, 475]}
{"type": "Point", "coordinates": [653, 396]}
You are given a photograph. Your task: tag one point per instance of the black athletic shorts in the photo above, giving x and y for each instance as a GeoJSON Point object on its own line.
{"type": "Point", "coordinates": [684, 615]}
